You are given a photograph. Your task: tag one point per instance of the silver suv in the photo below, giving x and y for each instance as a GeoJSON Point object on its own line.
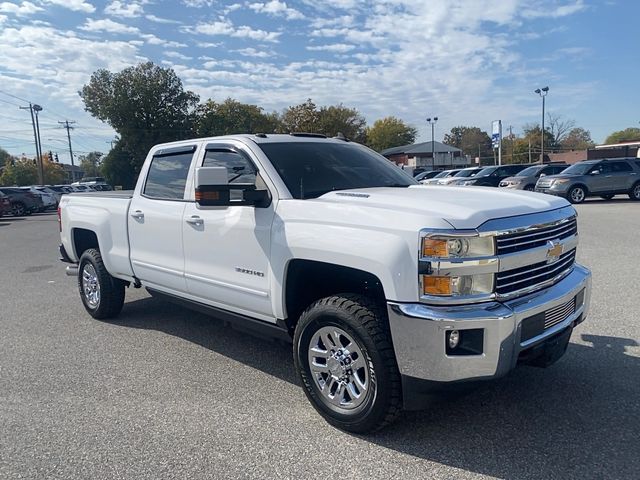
{"type": "Point", "coordinates": [527, 178]}
{"type": "Point", "coordinates": [591, 178]}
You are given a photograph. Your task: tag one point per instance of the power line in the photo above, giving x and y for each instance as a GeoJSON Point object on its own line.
{"type": "Point", "coordinates": [14, 96]}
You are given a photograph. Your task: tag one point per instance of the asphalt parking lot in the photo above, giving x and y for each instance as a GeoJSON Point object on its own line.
{"type": "Point", "coordinates": [166, 393]}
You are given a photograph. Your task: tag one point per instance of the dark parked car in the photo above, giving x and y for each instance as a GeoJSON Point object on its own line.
{"type": "Point", "coordinates": [426, 175]}
{"type": "Point", "coordinates": [492, 176]}
{"type": "Point", "coordinates": [23, 202]}
{"type": "Point", "coordinates": [527, 178]}
{"type": "Point", "coordinates": [5, 205]}
{"type": "Point", "coordinates": [595, 178]}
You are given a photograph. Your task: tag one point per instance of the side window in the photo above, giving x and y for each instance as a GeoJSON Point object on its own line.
{"type": "Point", "coordinates": [556, 170]}
{"type": "Point", "coordinates": [239, 168]}
{"type": "Point", "coordinates": [167, 176]}
{"type": "Point", "coordinates": [620, 167]}
{"type": "Point", "coordinates": [601, 167]}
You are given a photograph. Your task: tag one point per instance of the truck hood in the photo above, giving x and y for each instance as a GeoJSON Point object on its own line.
{"type": "Point", "coordinates": [462, 207]}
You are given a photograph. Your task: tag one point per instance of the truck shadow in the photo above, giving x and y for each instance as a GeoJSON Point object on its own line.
{"type": "Point", "coordinates": [579, 418]}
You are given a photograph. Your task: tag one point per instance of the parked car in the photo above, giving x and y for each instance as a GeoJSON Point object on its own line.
{"type": "Point", "coordinates": [595, 178]}
{"type": "Point", "coordinates": [5, 205]}
{"type": "Point", "coordinates": [49, 200]}
{"type": "Point", "coordinates": [386, 289]}
{"type": "Point", "coordinates": [22, 202]}
{"type": "Point", "coordinates": [527, 178]}
{"type": "Point", "coordinates": [460, 176]}
{"type": "Point", "coordinates": [442, 174]}
{"type": "Point", "coordinates": [492, 176]}
{"type": "Point", "coordinates": [58, 191]}
{"type": "Point", "coordinates": [426, 175]}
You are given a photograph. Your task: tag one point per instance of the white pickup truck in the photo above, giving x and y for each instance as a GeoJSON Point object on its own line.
{"type": "Point", "coordinates": [389, 290]}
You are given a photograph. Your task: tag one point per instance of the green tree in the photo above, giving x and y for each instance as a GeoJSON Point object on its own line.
{"type": "Point", "coordinates": [631, 134]}
{"type": "Point", "coordinates": [90, 164]}
{"type": "Point", "coordinates": [145, 104]}
{"type": "Point", "coordinates": [231, 117]}
{"type": "Point", "coordinates": [301, 118]}
{"type": "Point", "coordinates": [5, 157]}
{"type": "Point", "coordinates": [470, 140]}
{"type": "Point", "coordinates": [118, 167]}
{"type": "Point", "coordinates": [577, 139]}
{"type": "Point", "coordinates": [53, 172]}
{"type": "Point", "coordinates": [22, 172]}
{"type": "Point", "coordinates": [340, 119]}
{"type": "Point", "coordinates": [390, 132]}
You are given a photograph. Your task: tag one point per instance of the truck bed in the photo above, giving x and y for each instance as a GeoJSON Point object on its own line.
{"type": "Point", "coordinates": [126, 194]}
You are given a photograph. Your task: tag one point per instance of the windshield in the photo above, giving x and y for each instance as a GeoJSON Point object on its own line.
{"type": "Point", "coordinates": [530, 171]}
{"type": "Point", "coordinates": [578, 169]}
{"type": "Point", "coordinates": [485, 172]}
{"type": "Point", "coordinates": [311, 169]}
{"type": "Point", "coordinates": [442, 174]}
{"type": "Point", "coordinates": [466, 173]}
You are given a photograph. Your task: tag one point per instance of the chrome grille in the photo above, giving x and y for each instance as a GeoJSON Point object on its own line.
{"type": "Point", "coordinates": [559, 314]}
{"type": "Point", "coordinates": [511, 281]}
{"type": "Point", "coordinates": [517, 242]}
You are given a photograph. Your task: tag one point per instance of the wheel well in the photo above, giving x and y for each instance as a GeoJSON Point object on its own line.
{"type": "Point", "coordinates": [307, 281]}
{"type": "Point", "coordinates": [582, 185]}
{"type": "Point", "coordinates": [84, 240]}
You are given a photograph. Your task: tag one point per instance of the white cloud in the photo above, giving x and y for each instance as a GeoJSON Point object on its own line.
{"type": "Point", "coordinates": [277, 8]}
{"type": "Point", "coordinates": [75, 5]}
{"type": "Point", "coordinates": [120, 9]}
{"type": "Point", "coordinates": [25, 8]}
{"type": "Point", "coordinates": [207, 44]}
{"type": "Point", "coordinates": [153, 18]}
{"type": "Point", "coordinates": [198, 3]}
{"type": "Point", "coordinates": [335, 47]}
{"type": "Point", "coordinates": [107, 25]}
{"type": "Point", "coordinates": [178, 55]}
{"type": "Point", "coordinates": [554, 10]}
{"type": "Point", "coordinates": [153, 40]}
{"type": "Point", "coordinates": [252, 52]}
{"type": "Point", "coordinates": [226, 28]}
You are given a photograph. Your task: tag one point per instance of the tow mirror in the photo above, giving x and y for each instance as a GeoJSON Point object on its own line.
{"type": "Point", "coordinates": [214, 190]}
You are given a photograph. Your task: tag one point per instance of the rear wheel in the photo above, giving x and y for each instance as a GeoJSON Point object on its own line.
{"type": "Point", "coordinates": [577, 194]}
{"type": "Point", "coordinates": [634, 194]}
{"type": "Point", "coordinates": [101, 294]}
{"type": "Point", "coordinates": [345, 359]}
{"type": "Point", "coordinates": [606, 197]}
{"type": "Point", "coordinates": [18, 209]}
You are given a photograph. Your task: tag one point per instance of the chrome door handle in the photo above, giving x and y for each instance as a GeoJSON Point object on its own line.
{"type": "Point", "coordinates": [195, 220]}
{"type": "Point", "coordinates": [138, 215]}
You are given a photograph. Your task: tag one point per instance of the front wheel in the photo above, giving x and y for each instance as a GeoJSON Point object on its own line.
{"type": "Point", "coordinates": [345, 359]}
{"type": "Point", "coordinates": [18, 209]}
{"type": "Point", "coordinates": [634, 193]}
{"type": "Point", "coordinates": [530, 188]}
{"type": "Point", "coordinates": [101, 294]}
{"type": "Point", "coordinates": [577, 194]}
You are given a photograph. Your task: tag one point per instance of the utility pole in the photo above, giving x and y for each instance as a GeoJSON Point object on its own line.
{"type": "Point", "coordinates": [543, 93]}
{"type": "Point", "coordinates": [529, 150]}
{"type": "Point", "coordinates": [66, 124]}
{"type": "Point", "coordinates": [36, 137]}
{"type": "Point", "coordinates": [433, 145]}
{"type": "Point", "coordinates": [511, 141]}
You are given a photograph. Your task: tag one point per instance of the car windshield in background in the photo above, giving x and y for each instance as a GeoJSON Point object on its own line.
{"type": "Point", "coordinates": [311, 169]}
{"type": "Point", "coordinates": [466, 173]}
{"type": "Point", "coordinates": [444, 173]}
{"type": "Point", "coordinates": [578, 169]}
{"type": "Point", "coordinates": [530, 171]}
{"type": "Point", "coordinates": [485, 172]}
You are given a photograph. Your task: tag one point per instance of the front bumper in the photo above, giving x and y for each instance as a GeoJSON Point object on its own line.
{"type": "Point", "coordinates": [559, 190]}
{"type": "Point", "coordinates": [419, 332]}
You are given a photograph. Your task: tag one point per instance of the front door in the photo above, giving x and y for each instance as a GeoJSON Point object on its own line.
{"type": "Point", "coordinates": [227, 248]}
{"type": "Point", "coordinates": [600, 182]}
{"type": "Point", "coordinates": [155, 221]}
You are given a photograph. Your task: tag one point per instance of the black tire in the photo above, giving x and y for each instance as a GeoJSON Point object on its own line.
{"type": "Point", "coordinates": [530, 188]}
{"type": "Point", "coordinates": [110, 292]}
{"type": "Point", "coordinates": [607, 197]}
{"type": "Point", "coordinates": [367, 324]}
{"type": "Point", "coordinates": [634, 193]}
{"type": "Point", "coordinates": [577, 194]}
{"type": "Point", "coordinates": [18, 209]}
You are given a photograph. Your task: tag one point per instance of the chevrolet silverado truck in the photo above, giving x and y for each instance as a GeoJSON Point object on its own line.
{"type": "Point", "coordinates": [388, 290]}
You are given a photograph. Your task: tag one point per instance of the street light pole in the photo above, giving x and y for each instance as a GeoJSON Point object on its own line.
{"type": "Point", "coordinates": [432, 122]}
{"type": "Point", "coordinates": [543, 93]}
{"type": "Point", "coordinates": [38, 108]}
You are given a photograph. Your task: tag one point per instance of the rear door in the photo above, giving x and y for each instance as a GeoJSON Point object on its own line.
{"type": "Point", "coordinates": [622, 176]}
{"type": "Point", "coordinates": [155, 220]}
{"type": "Point", "coordinates": [227, 248]}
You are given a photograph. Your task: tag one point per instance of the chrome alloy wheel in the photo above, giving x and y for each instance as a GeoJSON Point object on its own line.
{"type": "Point", "coordinates": [636, 192]}
{"type": "Point", "coordinates": [577, 195]}
{"type": "Point", "coordinates": [339, 368]}
{"type": "Point", "coordinates": [90, 285]}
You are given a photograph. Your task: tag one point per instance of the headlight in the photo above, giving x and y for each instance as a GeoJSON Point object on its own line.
{"type": "Point", "coordinates": [446, 247]}
{"type": "Point", "coordinates": [468, 182]}
{"type": "Point", "coordinates": [560, 181]}
{"type": "Point", "coordinates": [457, 286]}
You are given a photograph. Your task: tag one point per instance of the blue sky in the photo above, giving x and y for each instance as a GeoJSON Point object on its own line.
{"type": "Point", "coordinates": [466, 61]}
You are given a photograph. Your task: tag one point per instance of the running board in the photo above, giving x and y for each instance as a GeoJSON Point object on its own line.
{"type": "Point", "coordinates": [258, 328]}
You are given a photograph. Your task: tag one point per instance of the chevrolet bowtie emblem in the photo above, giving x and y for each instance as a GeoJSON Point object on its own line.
{"type": "Point", "coordinates": [555, 250]}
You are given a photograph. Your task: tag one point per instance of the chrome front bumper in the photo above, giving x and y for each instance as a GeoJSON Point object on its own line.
{"type": "Point", "coordinates": [419, 331]}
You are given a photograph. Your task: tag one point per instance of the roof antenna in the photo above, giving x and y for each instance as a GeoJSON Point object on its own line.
{"type": "Point", "coordinates": [340, 136]}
